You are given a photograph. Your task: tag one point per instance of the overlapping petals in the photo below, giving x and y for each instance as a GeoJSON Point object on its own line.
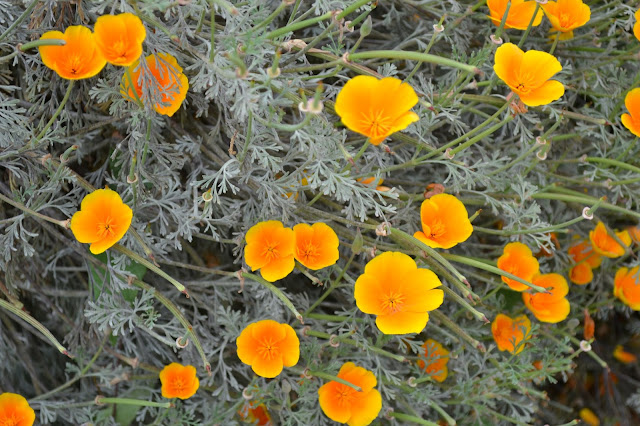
{"type": "Point", "coordinates": [520, 13]}
{"type": "Point", "coordinates": [436, 360]}
{"type": "Point", "coordinates": [179, 381]}
{"type": "Point", "coordinates": [509, 333]}
{"type": "Point", "coordinates": [603, 242]}
{"type": "Point", "coordinates": [626, 287]}
{"type": "Point", "coordinates": [566, 15]}
{"type": "Point", "coordinates": [15, 410]}
{"type": "Point", "coordinates": [316, 245]}
{"type": "Point", "coordinates": [552, 307]}
{"type": "Point", "coordinates": [445, 222]}
{"type": "Point", "coordinates": [518, 260]}
{"type": "Point", "coordinates": [270, 248]}
{"type": "Point", "coordinates": [79, 58]}
{"type": "Point", "coordinates": [119, 38]}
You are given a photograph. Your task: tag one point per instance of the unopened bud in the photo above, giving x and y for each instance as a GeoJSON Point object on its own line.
{"type": "Point", "coordinates": [365, 28]}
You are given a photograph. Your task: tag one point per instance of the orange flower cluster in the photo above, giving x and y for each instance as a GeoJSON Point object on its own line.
{"type": "Point", "coordinates": [273, 249]}
{"type": "Point", "coordinates": [376, 108]}
{"type": "Point", "coordinates": [626, 287]}
{"type": "Point", "coordinates": [117, 40]}
{"type": "Point", "coordinates": [179, 381]}
{"type": "Point", "coordinates": [445, 222]}
{"type": "Point", "coordinates": [268, 346]}
{"type": "Point", "coordinates": [549, 307]}
{"type": "Point", "coordinates": [398, 292]}
{"type": "Point", "coordinates": [509, 333]}
{"type": "Point", "coordinates": [344, 404]}
{"type": "Point", "coordinates": [436, 360]}
{"type": "Point", "coordinates": [15, 410]}
{"type": "Point", "coordinates": [518, 260]}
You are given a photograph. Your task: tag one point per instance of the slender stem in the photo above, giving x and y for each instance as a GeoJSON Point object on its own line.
{"type": "Point", "coordinates": [332, 287]}
{"type": "Point", "coordinates": [136, 97]}
{"type": "Point", "coordinates": [411, 419]}
{"type": "Point", "coordinates": [127, 401]}
{"type": "Point", "coordinates": [326, 376]}
{"type": "Point", "coordinates": [413, 56]}
{"type": "Point", "coordinates": [457, 330]}
{"type": "Point", "coordinates": [426, 51]}
{"type": "Point", "coordinates": [212, 26]}
{"type": "Point", "coordinates": [62, 223]}
{"type": "Point", "coordinates": [555, 43]}
{"type": "Point", "coordinates": [45, 42]}
{"type": "Point", "coordinates": [20, 19]}
{"type": "Point", "coordinates": [57, 112]}
{"type": "Point", "coordinates": [352, 342]}
{"type": "Point", "coordinates": [277, 292]}
{"type": "Point", "coordinates": [528, 30]}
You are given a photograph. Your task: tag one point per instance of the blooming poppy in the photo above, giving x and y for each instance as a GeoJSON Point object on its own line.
{"type": "Point", "coordinates": [586, 260]}
{"type": "Point", "coordinates": [623, 356]}
{"type": "Point", "coordinates": [518, 260]}
{"type": "Point", "coordinates": [632, 120]}
{"type": "Point", "coordinates": [520, 13]}
{"type": "Point", "coordinates": [528, 73]}
{"type": "Point", "coordinates": [179, 381]}
{"type": "Point", "coordinates": [398, 292]}
{"type": "Point", "coordinates": [436, 359]}
{"type": "Point", "coordinates": [79, 58]}
{"type": "Point", "coordinates": [445, 222]}
{"type": "Point", "coordinates": [270, 248]}
{"type": "Point", "coordinates": [553, 307]}
{"type": "Point", "coordinates": [566, 15]}
{"type": "Point", "coordinates": [167, 79]}
{"type": "Point", "coordinates": [603, 243]}
{"type": "Point", "coordinates": [376, 108]}
{"type": "Point", "coordinates": [626, 287]}
{"type": "Point", "coordinates": [343, 404]}
{"type": "Point", "coordinates": [119, 38]}
{"type": "Point", "coordinates": [268, 346]}
{"type": "Point", "coordinates": [636, 26]}
{"type": "Point", "coordinates": [316, 245]}
{"type": "Point", "coordinates": [15, 410]}
{"type": "Point", "coordinates": [102, 220]}
{"type": "Point", "coordinates": [509, 333]}
{"type": "Point", "coordinates": [589, 417]}
{"type": "Point", "coordinates": [255, 414]}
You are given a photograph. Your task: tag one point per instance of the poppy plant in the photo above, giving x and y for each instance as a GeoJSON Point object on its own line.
{"type": "Point", "coordinates": [520, 13]}
{"type": "Point", "coordinates": [268, 346]}
{"type": "Point", "coordinates": [376, 108]}
{"type": "Point", "coordinates": [15, 410]}
{"type": "Point", "coordinates": [179, 381]}
{"type": "Point", "coordinates": [632, 120]}
{"type": "Point", "coordinates": [270, 248]}
{"type": "Point", "coordinates": [445, 222]}
{"type": "Point", "coordinates": [566, 15]}
{"type": "Point", "coordinates": [586, 260]}
{"type": "Point", "coordinates": [528, 74]}
{"type": "Point", "coordinates": [401, 295]}
{"type": "Point", "coordinates": [626, 287]}
{"type": "Point", "coordinates": [436, 360]}
{"type": "Point", "coordinates": [166, 78]}
{"type": "Point", "coordinates": [79, 58]}
{"type": "Point", "coordinates": [509, 333]}
{"type": "Point", "coordinates": [549, 307]}
{"type": "Point", "coordinates": [603, 243]}
{"type": "Point", "coordinates": [119, 38]}
{"type": "Point", "coordinates": [102, 220]}
{"type": "Point", "coordinates": [316, 245]}
{"type": "Point", "coordinates": [518, 260]}
{"type": "Point", "coordinates": [344, 404]}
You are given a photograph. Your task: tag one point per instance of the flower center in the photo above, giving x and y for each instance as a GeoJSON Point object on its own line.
{"type": "Point", "coordinates": [376, 124]}
{"type": "Point", "coordinates": [268, 349]}
{"type": "Point", "coordinates": [565, 20]}
{"type": "Point", "coordinates": [75, 64]}
{"type": "Point", "coordinates": [435, 230]}
{"type": "Point", "coordinates": [309, 251]}
{"type": "Point", "coordinates": [178, 385]}
{"type": "Point", "coordinates": [392, 302]}
{"type": "Point", "coordinates": [120, 49]}
{"type": "Point", "coordinates": [271, 251]}
{"type": "Point", "coordinates": [345, 395]}
{"type": "Point", "coordinates": [106, 228]}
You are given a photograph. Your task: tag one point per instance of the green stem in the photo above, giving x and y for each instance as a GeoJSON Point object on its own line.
{"type": "Point", "coordinates": [426, 51]}
{"type": "Point", "coordinates": [326, 376]}
{"type": "Point", "coordinates": [277, 292]}
{"type": "Point", "coordinates": [62, 223]}
{"type": "Point", "coordinates": [332, 287]}
{"type": "Point", "coordinates": [528, 30]}
{"type": "Point", "coordinates": [352, 342]}
{"type": "Point", "coordinates": [35, 141]}
{"type": "Point", "coordinates": [212, 27]}
{"type": "Point", "coordinates": [128, 401]}
{"type": "Point", "coordinates": [20, 19]}
{"type": "Point", "coordinates": [555, 43]}
{"type": "Point", "coordinates": [457, 330]}
{"type": "Point", "coordinates": [127, 71]}
{"type": "Point", "coordinates": [411, 419]}
{"type": "Point", "coordinates": [414, 56]}
{"type": "Point", "coordinates": [39, 43]}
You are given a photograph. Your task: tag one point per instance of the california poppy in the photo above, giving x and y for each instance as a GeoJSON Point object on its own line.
{"type": "Point", "coordinates": [15, 410]}
{"type": "Point", "coordinates": [632, 120]}
{"type": "Point", "coordinates": [179, 381]}
{"type": "Point", "coordinates": [603, 243]}
{"type": "Point", "coordinates": [445, 222]}
{"type": "Point", "coordinates": [436, 360]}
{"type": "Point", "coordinates": [566, 15]}
{"type": "Point", "coordinates": [270, 248]}
{"type": "Point", "coordinates": [79, 58]}
{"type": "Point", "coordinates": [119, 38]}
{"type": "Point", "coordinates": [626, 287]}
{"type": "Point", "coordinates": [552, 307]}
{"type": "Point", "coordinates": [316, 245]}
{"type": "Point", "coordinates": [520, 13]}
{"type": "Point", "coordinates": [509, 333]}
{"type": "Point", "coordinates": [518, 260]}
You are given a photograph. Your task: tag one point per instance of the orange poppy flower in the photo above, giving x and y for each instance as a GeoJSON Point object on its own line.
{"type": "Point", "coordinates": [445, 222]}
{"type": "Point", "coordinates": [15, 410]}
{"type": "Point", "coordinates": [566, 15]}
{"type": "Point", "coordinates": [509, 332]}
{"type": "Point", "coordinates": [551, 308]}
{"type": "Point", "coordinates": [581, 273]}
{"type": "Point", "coordinates": [520, 13]}
{"type": "Point", "coordinates": [79, 58]}
{"type": "Point", "coordinates": [378, 182]}
{"type": "Point", "coordinates": [179, 381]}
{"type": "Point", "coordinates": [636, 26]}
{"type": "Point", "coordinates": [102, 220]}
{"type": "Point", "coordinates": [376, 108]}
{"type": "Point", "coordinates": [119, 38]}
{"type": "Point", "coordinates": [623, 356]}
{"type": "Point", "coordinates": [634, 233]}
{"type": "Point", "coordinates": [518, 260]}
{"type": "Point", "coordinates": [344, 404]}
{"type": "Point", "coordinates": [270, 248]}
{"type": "Point", "coordinates": [603, 243]}
{"type": "Point", "coordinates": [632, 120]}
{"type": "Point", "coordinates": [393, 288]}
{"type": "Point", "coordinates": [257, 415]}
{"type": "Point", "coordinates": [167, 79]}
{"type": "Point", "coordinates": [626, 287]}
{"type": "Point", "coordinates": [528, 74]}
{"type": "Point", "coordinates": [268, 346]}
{"type": "Point", "coordinates": [589, 417]}
{"type": "Point", "coordinates": [586, 260]}
{"type": "Point", "coordinates": [436, 360]}
{"type": "Point", "coordinates": [316, 245]}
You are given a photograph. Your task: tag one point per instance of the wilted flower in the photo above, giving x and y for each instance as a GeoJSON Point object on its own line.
{"type": "Point", "coordinates": [268, 346]}
{"type": "Point", "coordinates": [344, 404]}
{"type": "Point", "coordinates": [393, 288]}
{"type": "Point", "coordinates": [270, 248]}
{"type": "Point", "coordinates": [528, 74]}
{"type": "Point", "coordinates": [179, 381]}
{"type": "Point", "coordinates": [626, 287]}
{"type": "Point", "coordinates": [517, 259]}
{"type": "Point", "coordinates": [509, 332]}
{"type": "Point", "coordinates": [376, 108]}
{"type": "Point", "coordinates": [436, 359]}
{"type": "Point", "coordinates": [79, 58]}
{"type": "Point", "coordinates": [445, 222]}
{"type": "Point", "coordinates": [551, 308]}
{"type": "Point", "coordinates": [632, 101]}
{"type": "Point", "coordinates": [102, 220]}
{"type": "Point", "coordinates": [604, 244]}
{"type": "Point", "coordinates": [520, 13]}
{"type": "Point", "coordinates": [316, 245]}
{"type": "Point", "coordinates": [119, 38]}
{"type": "Point", "coordinates": [256, 414]}
{"type": "Point", "coordinates": [15, 410]}
{"type": "Point", "coordinates": [167, 78]}
{"type": "Point", "coordinates": [566, 15]}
